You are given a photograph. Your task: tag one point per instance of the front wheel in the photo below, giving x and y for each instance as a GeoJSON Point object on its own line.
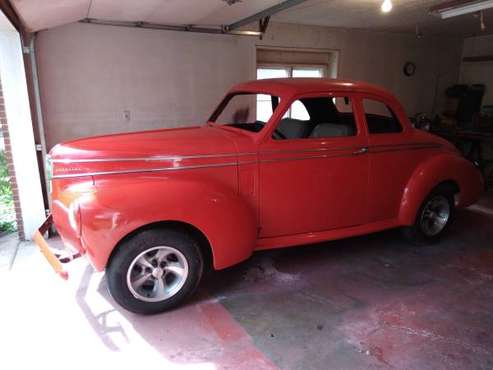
{"type": "Point", "coordinates": [154, 271]}
{"type": "Point", "coordinates": [433, 218]}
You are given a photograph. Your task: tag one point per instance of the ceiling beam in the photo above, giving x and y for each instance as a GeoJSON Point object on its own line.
{"type": "Point", "coordinates": [169, 27]}
{"type": "Point", "coordinates": [263, 14]}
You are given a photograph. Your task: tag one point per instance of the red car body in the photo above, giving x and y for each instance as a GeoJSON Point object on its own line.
{"type": "Point", "coordinates": [243, 191]}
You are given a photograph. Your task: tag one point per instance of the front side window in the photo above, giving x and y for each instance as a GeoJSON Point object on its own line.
{"type": "Point", "coordinates": [380, 118]}
{"type": "Point", "coordinates": [318, 117]}
{"type": "Point", "coordinates": [248, 111]}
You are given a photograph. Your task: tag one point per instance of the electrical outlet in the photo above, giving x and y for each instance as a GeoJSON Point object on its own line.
{"type": "Point", "coordinates": [126, 115]}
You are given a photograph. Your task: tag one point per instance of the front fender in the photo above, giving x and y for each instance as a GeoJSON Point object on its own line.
{"type": "Point", "coordinates": [215, 208]}
{"type": "Point", "coordinates": [438, 169]}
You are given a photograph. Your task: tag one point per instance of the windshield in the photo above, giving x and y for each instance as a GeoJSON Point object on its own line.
{"type": "Point", "coordinates": [247, 111]}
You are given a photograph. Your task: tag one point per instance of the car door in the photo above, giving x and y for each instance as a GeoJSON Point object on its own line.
{"type": "Point", "coordinates": [393, 157]}
{"type": "Point", "coordinates": [313, 170]}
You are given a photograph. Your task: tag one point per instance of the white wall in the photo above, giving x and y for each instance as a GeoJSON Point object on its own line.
{"type": "Point", "coordinates": [90, 74]}
{"type": "Point", "coordinates": [479, 72]}
{"type": "Point", "coordinates": [379, 58]}
{"type": "Point", "coordinates": [17, 109]}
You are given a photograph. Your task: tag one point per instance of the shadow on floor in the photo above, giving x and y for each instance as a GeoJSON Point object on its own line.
{"type": "Point", "coordinates": [365, 302]}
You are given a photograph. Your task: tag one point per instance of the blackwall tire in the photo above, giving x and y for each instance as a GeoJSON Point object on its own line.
{"type": "Point", "coordinates": [433, 218]}
{"type": "Point", "coordinates": [154, 271]}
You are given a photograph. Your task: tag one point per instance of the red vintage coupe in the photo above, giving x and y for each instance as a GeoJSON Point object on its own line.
{"type": "Point", "coordinates": [279, 163]}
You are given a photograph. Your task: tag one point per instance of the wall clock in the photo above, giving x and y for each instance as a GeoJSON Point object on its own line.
{"type": "Point", "coordinates": [409, 69]}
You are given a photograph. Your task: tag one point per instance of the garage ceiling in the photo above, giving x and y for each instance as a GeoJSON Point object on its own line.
{"type": "Point", "coordinates": [366, 14]}
{"type": "Point", "coordinates": [198, 12]}
{"type": "Point", "coordinates": [332, 13]}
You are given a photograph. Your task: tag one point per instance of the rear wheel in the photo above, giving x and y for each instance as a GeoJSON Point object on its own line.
{"type": "Point", "coordinates": [154, 271]}
{"type": "Point", "coordinates": [433, 218]}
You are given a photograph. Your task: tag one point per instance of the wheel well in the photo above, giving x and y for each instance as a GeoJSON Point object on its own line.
{"type": "Point", "coordinates": [451, 185]}
{"type": "Point", "coordinates": [197, 235]}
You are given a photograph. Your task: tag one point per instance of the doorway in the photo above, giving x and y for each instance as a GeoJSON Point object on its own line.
{"type": "Point", "coordinates": [23, 192]}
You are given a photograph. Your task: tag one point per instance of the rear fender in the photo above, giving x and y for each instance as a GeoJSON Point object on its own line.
{"type": "Point", "coordinates": [438, 169]}
{"type": "Point", "coordinates": [225, 219]}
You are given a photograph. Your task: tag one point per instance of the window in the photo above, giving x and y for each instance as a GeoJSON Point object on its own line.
{"type": "Point", "coordinates": [246, 111]}
{"type": "Point", "coordinates": [297, 111]}
{"type": "Point", "coordinates": [380, 118]}
{"type": "Point", "coordinates": [272, 72]}
{"type": "Point", "coordinates": [326, 117]}
{"type": "Point", "coordinates": [310, 72]}
{"type": "Point", "coordinates": [283, 71]}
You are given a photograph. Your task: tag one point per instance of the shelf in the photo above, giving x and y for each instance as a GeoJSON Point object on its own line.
{"type": "Point", "coordinates": [479, 58]}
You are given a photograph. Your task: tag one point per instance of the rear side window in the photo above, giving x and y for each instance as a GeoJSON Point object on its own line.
{"type": "Point", "coordinates": [380, 118]}
{"type": "Point", "coordinates": [317, 118]}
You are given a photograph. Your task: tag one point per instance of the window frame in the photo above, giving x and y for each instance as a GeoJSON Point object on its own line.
{"type": "Point", "coordinates": [355, 105]}
{"type": "Point", "coordinates": [211, 121]}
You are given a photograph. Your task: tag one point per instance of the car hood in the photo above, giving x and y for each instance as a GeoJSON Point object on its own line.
{"type": "Point", "coordinates": [144, 151]}
{"type": "Point", "coordinates": [147, 144]}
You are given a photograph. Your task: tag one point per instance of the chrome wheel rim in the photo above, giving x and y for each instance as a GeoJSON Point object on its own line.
{"type": "Point", "coordinates": [157, 274]}
{"type": "Point", "coordinates": [435, 215]}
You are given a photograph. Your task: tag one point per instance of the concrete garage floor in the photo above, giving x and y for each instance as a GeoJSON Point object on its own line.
{"type": "Point", "coordinates": [372, 302]}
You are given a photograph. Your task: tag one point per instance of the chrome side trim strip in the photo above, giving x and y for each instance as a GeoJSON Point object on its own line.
{"type": "Point", "coordinates": [305, 158]}
{"type": "Point", "coordinates": [336, 149]}
{"type": "Point", "coordinates": [335, 152]}
{"type": "Point", "coordinates": [355, 147]}
{"type": "Point", "coordinates": [141, 170]}
{"type": "Point", "coordinates": [247, 163]}
{"type": "Point", "coordinates": [151, 159]}
{"type": "Point", "coordinates": [385, 149]}
{"type": "Point", "coordinates": [405, 145]}
{"type": "Point", "coordinates": [226, 155]}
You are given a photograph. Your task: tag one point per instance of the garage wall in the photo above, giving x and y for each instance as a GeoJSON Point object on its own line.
{"type": "Point", "coordinates": [479, 72]}
{"type": "Point", "coordinates": [379, 58]}
{"type": "Point", "coordinates": [99, 79]}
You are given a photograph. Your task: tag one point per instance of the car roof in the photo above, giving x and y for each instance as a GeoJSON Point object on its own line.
{"type": "Point", "coordinates": [280, 86]}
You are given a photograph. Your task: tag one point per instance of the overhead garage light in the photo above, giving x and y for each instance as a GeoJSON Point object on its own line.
{"type": "Point", "coordinates": [386, 6]}
{"type": "Point", "coordinates": [244, 33]}
{"type": "Point", "coordinates": [455, 8]}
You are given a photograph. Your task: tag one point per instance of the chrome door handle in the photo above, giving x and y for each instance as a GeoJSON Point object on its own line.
{"type": "Point", "coordinates": [360, 151]}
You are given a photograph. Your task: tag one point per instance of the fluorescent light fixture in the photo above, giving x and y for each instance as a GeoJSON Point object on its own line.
{"type": "Point", "coordinates": [455, 8]}
{"type": "Point", "coordinates": [386, 6]}
{"type": "Point", "coordinates": [245, 33]}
